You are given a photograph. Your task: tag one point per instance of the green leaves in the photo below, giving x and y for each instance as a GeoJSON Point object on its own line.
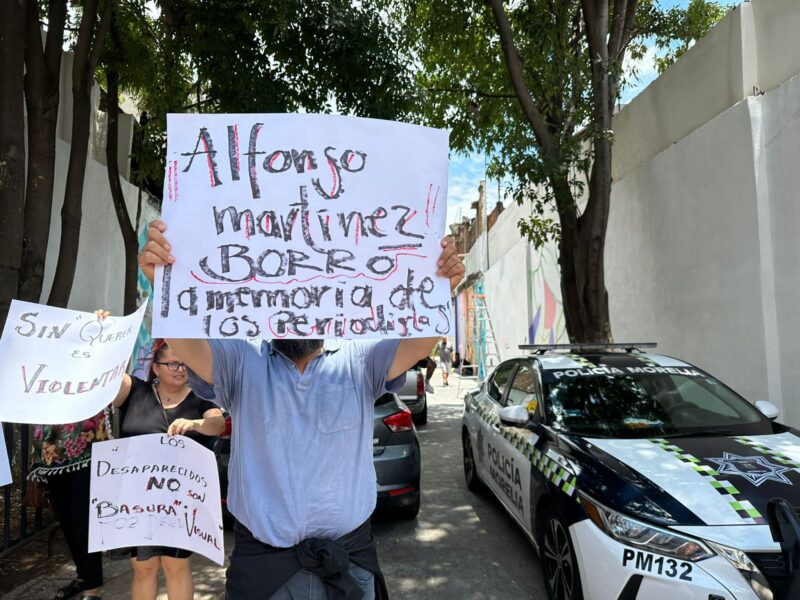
{"type": "Point", "coordinates": [256, 56]}
{"type": "Point", "coordinates": [463, 84]}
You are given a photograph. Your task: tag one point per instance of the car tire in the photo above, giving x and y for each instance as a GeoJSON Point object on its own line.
{"type": "Point", "coordinates": [562, 578]}
{"type": "Point", "coordinates": [422, 417]}
{"type": "Point", "coordinates": [410, 512]}
{"type": "Point", "coordinates": [474, 482]}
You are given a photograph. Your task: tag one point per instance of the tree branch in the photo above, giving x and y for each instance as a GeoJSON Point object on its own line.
{"type": "Point", "coordinates": [84, 44]}
{"type": "Point", "coordinates": [470, 90]}
{"type": "Point", "coordinates": [56, 18]}
{"type": "Point", "coordinates": [629, 29]}
{"type": "Point", "coordinates": [596, 29]}
{"type": "Point", "coordinates": [516, 72]}
{"type": "Point", "coordinates": [618, 18]}
{"type": "Point", "coordinates": [99, 37]}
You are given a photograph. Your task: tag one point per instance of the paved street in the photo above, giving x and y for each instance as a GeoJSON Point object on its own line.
{"type": "Point", "coordinates": [462, 545]}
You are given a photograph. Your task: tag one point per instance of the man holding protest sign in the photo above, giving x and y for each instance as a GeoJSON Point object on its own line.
{"type": "Point", "coordinates": [302, 481]}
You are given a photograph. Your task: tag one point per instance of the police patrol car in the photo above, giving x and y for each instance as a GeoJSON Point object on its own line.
{"type": "Point", "coordinates": [637, 475]}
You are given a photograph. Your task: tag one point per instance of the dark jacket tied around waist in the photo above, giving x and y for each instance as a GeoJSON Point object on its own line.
{"type": "Point", "coordinates": [259, 570]}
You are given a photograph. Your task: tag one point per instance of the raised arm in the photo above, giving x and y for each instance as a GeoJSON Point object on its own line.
{"type": "Point", "coordinates": [411, 351]}
{"type": "Point", "coordinates": [156, 252]}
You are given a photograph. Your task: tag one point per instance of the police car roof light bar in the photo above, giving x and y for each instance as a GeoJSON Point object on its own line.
{"type": "Point", "coordinates": [583, 347]}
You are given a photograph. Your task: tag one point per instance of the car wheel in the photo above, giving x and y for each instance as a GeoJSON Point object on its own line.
{"type": "Point", "coordinates": [422, 417]}
{"type": "Point", "coordinates": [470, 468]}
{"type": "Point", "coordinates": [559, 565]}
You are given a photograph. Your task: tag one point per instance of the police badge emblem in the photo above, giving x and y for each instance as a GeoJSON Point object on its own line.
{"type": "Point", "coordinates": [756, 469]}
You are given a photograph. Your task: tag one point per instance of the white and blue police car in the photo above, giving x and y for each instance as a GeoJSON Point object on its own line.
{"type": "Point", "coordinates": [637, 475]}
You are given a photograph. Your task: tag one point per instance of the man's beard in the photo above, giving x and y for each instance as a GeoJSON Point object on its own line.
{"type": "Point", "coordinates": [297, 348]}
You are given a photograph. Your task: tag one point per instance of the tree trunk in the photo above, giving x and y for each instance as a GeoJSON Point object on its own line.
{"type": "Point", "coordinates": [129, 237]}
{"type": "Point", "coordinates": [12, 149]}
{"type": "Point", "coordinates": [582, 241]}
{"type": "Point", "coordinates": [42, 78]}
{"type": "Point", "coordinates": [585, 248]}
{"type": "Point", "coordinates": [87, 53]}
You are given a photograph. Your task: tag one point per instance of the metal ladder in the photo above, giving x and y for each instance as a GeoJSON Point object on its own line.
{"type": "Point", "coordinates": [482, 339]}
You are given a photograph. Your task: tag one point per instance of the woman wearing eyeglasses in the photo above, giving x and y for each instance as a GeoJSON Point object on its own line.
{"type": "Point", "coordinates": [165, 404]}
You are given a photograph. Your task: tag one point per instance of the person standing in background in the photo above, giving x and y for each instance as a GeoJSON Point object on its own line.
{"type": "Point", "coordinates": [445, 359]}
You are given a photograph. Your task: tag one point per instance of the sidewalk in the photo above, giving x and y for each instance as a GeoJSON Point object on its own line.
{"type": "Point", "coordinates": [209, 580]}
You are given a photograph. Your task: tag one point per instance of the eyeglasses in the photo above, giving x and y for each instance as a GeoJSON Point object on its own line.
{"type": "Point", "coordinates": [172, 365]}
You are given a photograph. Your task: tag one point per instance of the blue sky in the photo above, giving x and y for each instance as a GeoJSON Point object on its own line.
{"type": "Point", "coordinates": [466, 172]}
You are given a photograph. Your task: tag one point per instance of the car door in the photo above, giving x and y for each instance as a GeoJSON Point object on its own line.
{"type": "Point", "coordinates": [513, 448]}
{"type": "Point", "coordinates": [491, 400]}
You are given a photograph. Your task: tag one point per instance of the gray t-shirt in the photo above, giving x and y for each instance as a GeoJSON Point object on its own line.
{"type": "Point", "coordinates": [444, 354]}
{"type": "Point", "coordinates": [301, 446]}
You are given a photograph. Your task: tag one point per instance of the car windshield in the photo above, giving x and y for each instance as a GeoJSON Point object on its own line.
{"type": "Point", "coordinates": [648, 405]}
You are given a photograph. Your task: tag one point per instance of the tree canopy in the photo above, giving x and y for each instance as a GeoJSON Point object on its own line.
{"type": "Point", "coordinates": [257, 56]}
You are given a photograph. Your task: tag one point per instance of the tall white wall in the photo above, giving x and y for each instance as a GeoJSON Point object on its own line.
{"type": "Point", "coordinates": [719, 71]}
{"type": "Point", "coordinates": [780, 133]}
{"type": "Point", "coordinates": [703, 237]}
{"type": "Point", "coordinates": [682, 254]}
{"type": "Point", "coordinates": [99, 275]}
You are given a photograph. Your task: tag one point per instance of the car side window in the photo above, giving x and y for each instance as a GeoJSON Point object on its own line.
{"type": "Point", "coordinates": [523, 388]}
{"type": "Point", "coordinates": [499, 380]}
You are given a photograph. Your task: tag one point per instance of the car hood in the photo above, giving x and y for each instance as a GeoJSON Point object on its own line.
{"type": "Point", "coordinates": [697, 480]}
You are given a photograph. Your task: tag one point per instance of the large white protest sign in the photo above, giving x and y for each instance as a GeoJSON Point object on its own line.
{"type": "Point", "coordinates": [155, 490]}
{"type": "Point", "coordinates": [302, 225]}
{"type": "Point", "coordinates": [61, 366]}
{"type": "Point", "coordinates": [5, 467]}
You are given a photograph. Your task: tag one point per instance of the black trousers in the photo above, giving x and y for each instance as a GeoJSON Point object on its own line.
{"type": "Point", "coordinates": [69, 496]}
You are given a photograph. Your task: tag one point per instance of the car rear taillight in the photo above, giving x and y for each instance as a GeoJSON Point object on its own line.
{"type": "Point", "coordinates": [420, 385]}
{"type": "Point", "coordinates": [401, 491]}
{"type": "Point", "coordinates": [399, 421]}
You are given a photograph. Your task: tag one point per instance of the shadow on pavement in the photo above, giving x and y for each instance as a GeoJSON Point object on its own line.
{"type": "Point", "coordinates": [462, 545]}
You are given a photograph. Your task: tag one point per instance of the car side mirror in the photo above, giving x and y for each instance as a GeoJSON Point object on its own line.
{"type": "Point", "coordinates": [768, 409]}
{"type": "Point", "coordinates": [514, 416]}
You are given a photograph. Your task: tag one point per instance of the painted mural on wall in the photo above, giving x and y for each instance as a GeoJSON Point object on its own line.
{"type": "Point", "coordinates": [547, 326]}
{"type": "Point", "coordinates": [143, 350]}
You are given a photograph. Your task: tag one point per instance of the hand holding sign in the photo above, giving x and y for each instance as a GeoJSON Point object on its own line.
{"type": "Point", "coordinates": [450, 264]}
{"type": "Point", "coordinates": [156, 252]}
{"type": "Point", "coordinates": [181, 426]}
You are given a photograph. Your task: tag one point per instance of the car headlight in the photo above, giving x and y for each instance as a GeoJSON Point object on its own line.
{"type": "Point", "coordinates": [643, 536]}
{"type": "Point", "coordinates": [746, 567]}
